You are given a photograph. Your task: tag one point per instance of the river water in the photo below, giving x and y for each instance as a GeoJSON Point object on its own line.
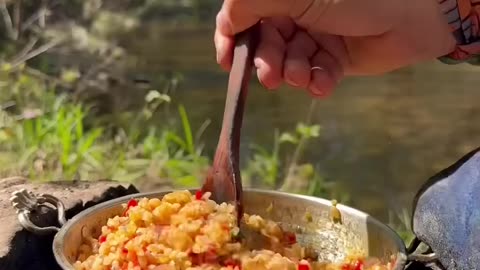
{"type": "Point", "coordinates": [381, 137]}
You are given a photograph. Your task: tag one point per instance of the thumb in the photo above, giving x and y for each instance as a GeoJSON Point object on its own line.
{"type": "Point", "coordinates": [238, 15]}
{"type": "Point", "coordinates": [337, 17]}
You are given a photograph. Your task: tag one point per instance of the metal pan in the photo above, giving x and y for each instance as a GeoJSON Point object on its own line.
{"type": "Point", "coordinates": [308, 216]}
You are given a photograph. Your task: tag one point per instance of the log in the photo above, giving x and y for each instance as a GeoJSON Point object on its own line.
{"type": "Point", "coordinates": [21, 249]}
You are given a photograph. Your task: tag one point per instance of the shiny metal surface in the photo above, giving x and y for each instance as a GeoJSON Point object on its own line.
{"type": "Point", "coordinates": [358, 231]}
{"type": "Point", "coordinates": [26, 202]}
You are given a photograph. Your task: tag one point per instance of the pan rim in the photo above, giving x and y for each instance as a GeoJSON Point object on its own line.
{"type": "Point", "coordinates": [401, 256]}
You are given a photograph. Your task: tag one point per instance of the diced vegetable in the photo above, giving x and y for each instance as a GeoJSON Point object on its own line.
{"type": "Point", "coordinates": [290, 238]}
{"type": "Point", "coordinates": [130, 204]}
{"type": "Point", "coordinates": [198, 195]}
{"type": "Point", "coordinates": [303, 266]}
{"type": "Point", "coordinates": [102, 239]}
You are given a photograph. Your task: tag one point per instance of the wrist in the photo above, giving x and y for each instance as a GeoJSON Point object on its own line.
{"type": "Point", "coordinates": [463, 19]}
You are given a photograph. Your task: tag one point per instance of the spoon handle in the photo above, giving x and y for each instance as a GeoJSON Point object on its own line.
{"type": "Point", "coordinates": [240, 74]}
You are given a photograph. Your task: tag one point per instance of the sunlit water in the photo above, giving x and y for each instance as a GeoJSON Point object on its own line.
{"type": "Point", "coordinates": [381, 137]}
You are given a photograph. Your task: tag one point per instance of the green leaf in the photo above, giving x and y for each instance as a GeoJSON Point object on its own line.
{"type": "Point", "coordinates": [69, 75]}
{"type": "Point", "coordinates": [153, 95]}
{"type": "Point", "coordinates": [87, 143]}
{"type": "Point", "coordinates": [172, 137]}
{"type": "Point", "coordinates": [306, 131]}
{"type": "Point", "coordinates": [288, 137]}
{"type": "Point", "coordinates": [79, 122]}
{"type": "Point", "coordinates": [92, 160]}
{"type": "Point", "coordinates": [187, 130]}
{"type": "Point", "coordinates": [137, 162]}
{"type": "Point", "coordinates": [23, 160]}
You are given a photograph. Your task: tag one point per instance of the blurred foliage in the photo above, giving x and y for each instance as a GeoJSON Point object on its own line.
{"type": "Point", "coordinates": [46, 136]}
{"type": "Point", "coordinates": [401, 221]}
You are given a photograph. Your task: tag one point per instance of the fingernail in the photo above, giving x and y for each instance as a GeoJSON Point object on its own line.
{"type": "Point", "coordinates": [317, 92]}
{"type": "Point", "coordinates": [219, 52]}
{"type": "Point", "coordinates": [291, 82]}
{"type": "Point", "coordinates": [260, 79]}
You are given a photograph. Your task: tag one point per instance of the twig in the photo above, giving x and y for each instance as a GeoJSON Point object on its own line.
{"type": "Point", "coordinates": [14, 178]}
{"type": "Point", "coordinates": [36, 52]}
{"type": "Point", "coordinates": [17, 17]}
{"type": "Point", "coordinates": [28, 47]}
{"type": "Point", "coordinates": [201, 130]}
{"type": "Point", "coordinates": [43, 76]}
{"type": "Point", "coordinates": [39, 16]}
{"type": "Point", "coordinates": [289, 180]}
{"type": "Point", "coordinates": [7, 105]}
{"type": "Point", "coordinates": [7, 20]}
{"type": "Point", "coordinates": [81, 84]}
{"type": "Point", "coordinates": [42, 18]}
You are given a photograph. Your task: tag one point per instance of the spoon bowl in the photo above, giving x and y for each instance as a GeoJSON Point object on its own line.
{"type": "Point", "coordinates": [223, 179]}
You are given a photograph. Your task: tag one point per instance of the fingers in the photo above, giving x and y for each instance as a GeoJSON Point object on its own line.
{"type": "Point", "coordinates": [238, 15]}
{"type": "Point", "coordinates": [334, 45]}
{"type": "Point", "coordinates": [285, 25]}
{"type": "Point", "coordinates": [269, 56]}
{"type": "Point", "coordinates": [286, 53]}
{"type": "Point", "coordinates": [224, 44]}
{"type": "Point", "coordinates": [297, 61]}
{"type": "Point", "coordinates": [326, 74]}
{"type": "Point", "coordinates": [315, 63]}
{"type": "Point", "coordinates": [224, 48]}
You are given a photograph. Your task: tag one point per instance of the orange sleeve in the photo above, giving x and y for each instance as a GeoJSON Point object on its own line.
{"type": "Point", "coordinates": [463, 16]}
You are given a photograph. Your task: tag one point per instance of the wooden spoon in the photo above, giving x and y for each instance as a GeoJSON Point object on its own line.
{"type": "Point", "coordinates": [223, 179]}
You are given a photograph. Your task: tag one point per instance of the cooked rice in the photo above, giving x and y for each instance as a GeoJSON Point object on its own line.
{"type": "Point", "coordinates": [184, 231]}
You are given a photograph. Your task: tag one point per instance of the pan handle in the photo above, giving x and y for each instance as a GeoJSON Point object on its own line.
{"type": "Point", "coordinates": [26, 203]}
{"type": "Point", "coordinates": [414, 254]}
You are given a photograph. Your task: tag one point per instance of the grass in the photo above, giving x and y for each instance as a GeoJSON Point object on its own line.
{"type": "Point", "coordinates": [50, 135]}
{"type": "Point", "coordinates": [47, 136]}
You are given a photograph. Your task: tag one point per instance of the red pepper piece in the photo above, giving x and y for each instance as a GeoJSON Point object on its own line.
{"type": "Point", "coordinates": [355, 265]}
{"type": "Point", "coordinates": [358, 265]}
{"type": "Point", "coordinates": [225, 227]}
{"type": "Point", "coordinates": [290, 238]}
{"type": "Point", "coordinates": [303, 267]}
{"type": "Point", "coordinates": [125, 251]}
{"type": "Point", "coordinates": [135, 260]}
{"type": "Point", "coordinates": [197, 259]}
{"type": "Point", "coordinates": [130, 204]}
{"type": "Point", "coordinates": [102, 239]}
{"type": "Point", "coordinates": [229, 262]}
{"type": "Point", "coordinates": [211, 256]}
{"type": "Point", "coordinates": [234, 264]}
{"type": "Point", "coordinates": [198, 195]}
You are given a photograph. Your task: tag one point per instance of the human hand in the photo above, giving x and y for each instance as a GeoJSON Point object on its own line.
{"type": "Point", "coordinates": [313, 44]}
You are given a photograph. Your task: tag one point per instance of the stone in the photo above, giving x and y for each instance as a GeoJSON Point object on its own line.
{"type": "Point", "coordinates": [446, 213]}
{"type": "Point", "coordinates": [21, 249]}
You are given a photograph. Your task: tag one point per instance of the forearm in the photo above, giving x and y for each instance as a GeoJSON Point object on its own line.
{"type": "Point", "coordinates": [463, 17]}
